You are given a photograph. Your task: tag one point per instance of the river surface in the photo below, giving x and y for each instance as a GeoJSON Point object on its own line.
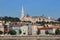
{"type": "Point", "coordinates": [29, 39]}
{"type": "Point", "coordinates": [56, 37]}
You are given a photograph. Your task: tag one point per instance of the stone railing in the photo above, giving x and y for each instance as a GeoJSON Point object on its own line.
{"type": "Point", "coordinates": [14, 37]}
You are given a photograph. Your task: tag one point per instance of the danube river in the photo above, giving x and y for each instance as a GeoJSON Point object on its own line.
{"type": "Point", "coordinates": [30, 37]}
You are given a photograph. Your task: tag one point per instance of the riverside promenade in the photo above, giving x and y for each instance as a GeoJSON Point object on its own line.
{"type": "Point", "coordinates": [14, 37]}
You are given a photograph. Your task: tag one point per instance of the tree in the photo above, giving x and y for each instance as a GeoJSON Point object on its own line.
{"type": "Point", "coordinates": [43, 23]}
{"type": "Point", "coordinates": [12, 32]}
{"type": "Point", "coordinates": [20, 31]}
{"type": "Point", "coordinates": [38, 32]}
{"type": "Point", "coordinates": [12, 19]}
{"type": "Point", "coordinates": [29, 21]}
{"type": "Point", "coordinates": [59, 19]}
{"type": "Point", "coordinates": [47, 22]}
{"type": "Point", "coordinates": [51, 22]}
{"type": "Point", "coordinates": [1, 32]}
{"type": "Point", "coordinates": [57, 32]}
{"type": "Point", "coordinates": [38, 22]}
{"type": "Point", "coordinates": [46, 32]}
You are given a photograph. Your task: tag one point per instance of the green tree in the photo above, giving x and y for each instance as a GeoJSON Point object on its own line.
{"type": "Point", "coordinates": [12, 32]}
{"type": "Point", "coordinates": [38, 32]}
{"type": "Point", "coordinates": [51, 22]}
{"type": "Point", "coordinates": [1, 32]}
{"type": "Point", "coordinates": [46, 32]}
{"type": "Point", "coordinates": [20, 31]}
{"type": "Point", "coordinates": [38, 22]}
{"type": "Point", "coordinates": [59, 19]}
{"type": "Point", "coordinates": [47, 22]}
{"type": "Point", "coordinates": [43, 23]}
{"type": "Point", "coordinates": [12, 19]}
{"type": "Point", "coordinates": [57, 32]}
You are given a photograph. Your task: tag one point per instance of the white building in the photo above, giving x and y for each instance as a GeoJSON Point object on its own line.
{"type": "Point", "coordinates": [35, 18]}
{"type": "Point", "coordinates": [24, 30]}
{"type": "Point", "coordinates": [1, 26]}
{"type": "Point", "coordinates": [19, 26]}
{"type": "Point", "coordinates": [34, 29]}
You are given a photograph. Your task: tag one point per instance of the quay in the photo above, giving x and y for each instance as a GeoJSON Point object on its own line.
{"type": "Point", "coordinates": [14, 37]}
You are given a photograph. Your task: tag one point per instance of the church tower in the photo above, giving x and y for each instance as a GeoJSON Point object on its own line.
{"type": "Point", "coordinates": [22, 13]}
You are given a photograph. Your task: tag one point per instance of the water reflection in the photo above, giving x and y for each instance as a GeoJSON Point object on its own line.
{"type": "Point", "coordinates": [48, 39]}
{"type": "Point", "coordinates": [29, 39]}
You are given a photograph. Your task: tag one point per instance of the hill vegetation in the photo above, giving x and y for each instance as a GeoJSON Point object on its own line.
{"type": "Point", "coordinates": [12, 19]}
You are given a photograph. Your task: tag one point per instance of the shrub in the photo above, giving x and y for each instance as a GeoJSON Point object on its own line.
{"type": "Point", "coordinates": [20, 31]}
{"type": "Point", "coordinates": [46, 32]}
{"type": "Point", "coordinates": [12, 32]}
{"type": "Point", "coordinates": [38, 32]}
{"type": "Point", "coordinates": [1, 32]}
{"type": "Point", "coordinates": [57, 32]}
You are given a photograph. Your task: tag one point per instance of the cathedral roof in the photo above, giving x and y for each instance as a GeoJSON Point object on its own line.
{"type": "Point", "coordinates": [27, 15]}
{"type": "Point", "coordinates": [38, 17]}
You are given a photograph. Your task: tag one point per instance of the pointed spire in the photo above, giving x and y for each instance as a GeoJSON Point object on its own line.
{"type": "Point", "coordinates": [22, 12]}
{"type": "Point", "coordinates": [28, 15]}
{"type": "Point", "coordinates": [22, 9]}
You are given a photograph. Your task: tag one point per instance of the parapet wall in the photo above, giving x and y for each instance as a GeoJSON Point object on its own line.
{"type": "Point", "coordinates": [29, 37]}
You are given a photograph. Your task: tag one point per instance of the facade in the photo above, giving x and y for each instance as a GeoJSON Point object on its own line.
{"type": "Point", "coordinates": [24, 30]}
{"type": "Point", "coordinates": [19, 26]}
{"type": "Point", "coordinates": [29, 29]}
{"type": "Point", "coordinates": [50, 28]}
{"type": "Point", "coordinates": [34, 29]}
{"type": "Point", "coordinates": [35, 18]}
{"type": "Point", "coordinates": [2, 26]}
{"type": "Point", "coordinates": [15, 27]}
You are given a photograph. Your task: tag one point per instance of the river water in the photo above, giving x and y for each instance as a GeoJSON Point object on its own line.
{"type": "Point", "coordinates": [56, 37]}
{"type": "Point", "coordinates": [29, 39]}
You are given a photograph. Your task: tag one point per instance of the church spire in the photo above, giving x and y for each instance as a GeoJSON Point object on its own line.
{"type": "Point", "coordinates": [22, 12]}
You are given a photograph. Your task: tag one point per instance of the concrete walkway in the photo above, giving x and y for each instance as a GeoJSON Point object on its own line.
{"type": "Point", "coordinates": [31, 37]}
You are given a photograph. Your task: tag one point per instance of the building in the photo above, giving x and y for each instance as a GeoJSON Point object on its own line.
{"type": "Point", "coordinates": [35, 18]}
{"type": "Point", "coordinates": [2, 26]}
{"type": "Point", "coordinates": [50, 28]}
{"type": "Point", "coordinates": [24, 30]}
{"type": "Point", "coordinates": [19, 26]}
{"type": "Point", "coordinates": [34, 29]}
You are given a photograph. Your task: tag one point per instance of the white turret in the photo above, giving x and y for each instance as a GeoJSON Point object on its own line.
{"type": "Point", "coordinates": [48, 17]}
{"type": "Point", "coordinates": [22, 15]}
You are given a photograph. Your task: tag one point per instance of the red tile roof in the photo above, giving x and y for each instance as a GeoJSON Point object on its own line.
{"type": "Point", "coordinates": [17, 23]}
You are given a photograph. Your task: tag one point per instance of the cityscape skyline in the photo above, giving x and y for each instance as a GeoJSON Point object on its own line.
{"type": "Point", "coordinates": [50, 8]}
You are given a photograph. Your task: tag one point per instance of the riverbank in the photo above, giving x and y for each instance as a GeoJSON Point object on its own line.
{"type": "Point", "coordinates": [31, 37]}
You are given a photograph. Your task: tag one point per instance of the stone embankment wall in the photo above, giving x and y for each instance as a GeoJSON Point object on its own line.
{"type": "Point", "coordinates": [28, 37]}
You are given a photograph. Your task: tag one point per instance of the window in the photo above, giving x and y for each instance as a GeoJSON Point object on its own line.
{"type": "Point", "coordinates": [39, 19]}
{"type": "Point", "coordinates": [24, 33]}
{"type": "Point", "coordinates": [43, 19]}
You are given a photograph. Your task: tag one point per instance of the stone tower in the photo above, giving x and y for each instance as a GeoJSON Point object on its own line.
{"type": "Point", "coordinates": [22, 13]}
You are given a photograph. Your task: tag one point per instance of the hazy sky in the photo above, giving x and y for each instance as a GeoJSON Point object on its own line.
{"type": "Point", "coordinates": [33, 7]}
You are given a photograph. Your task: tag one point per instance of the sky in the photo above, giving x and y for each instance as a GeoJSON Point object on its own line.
{"type": "Point", "coordinates": [48, 8]}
